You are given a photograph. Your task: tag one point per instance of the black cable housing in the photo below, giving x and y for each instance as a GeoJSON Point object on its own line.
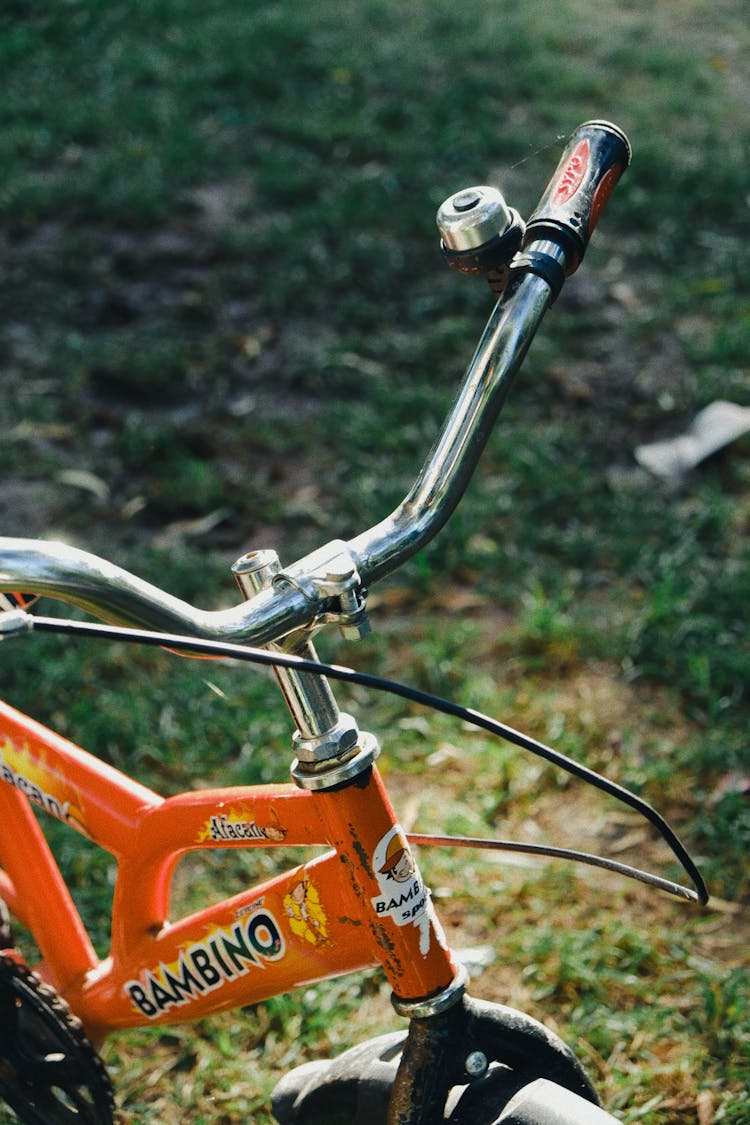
{"type": "Point", "coordinates": [221, 649]}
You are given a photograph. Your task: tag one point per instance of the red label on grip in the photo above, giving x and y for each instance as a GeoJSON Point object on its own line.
{"type": "Point", "coordinates": [572, 174]}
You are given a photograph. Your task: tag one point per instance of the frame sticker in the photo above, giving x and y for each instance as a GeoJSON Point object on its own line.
{"type": "Point", "coordinates": [204, 966]}
{"type": "Point", "coordinates": [307, 918]}
{"type": "Point", "coordinates": [239, 824]}
{"type": "Point", "coordinates": [403, 897]}
{"type": "Point", "coordinates": [29, 774]}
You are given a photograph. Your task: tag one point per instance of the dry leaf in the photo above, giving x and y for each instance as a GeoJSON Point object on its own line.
{"type": "Point", "coordinates": [86, 481]}
{"type": "Point", "coordinates": [704, 1103]}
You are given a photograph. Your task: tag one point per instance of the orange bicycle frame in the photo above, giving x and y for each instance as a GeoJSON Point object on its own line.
{"type": "Point", "coordinates": [360, 904]}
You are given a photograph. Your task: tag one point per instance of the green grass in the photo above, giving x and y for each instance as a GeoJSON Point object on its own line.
{"type": "Point", "coordinates": [223, 300]}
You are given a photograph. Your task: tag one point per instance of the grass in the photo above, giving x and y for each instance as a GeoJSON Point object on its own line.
{"type": "Point", "coordinates": [226, 325]}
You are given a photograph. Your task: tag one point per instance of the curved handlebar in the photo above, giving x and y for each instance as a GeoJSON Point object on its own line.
{"type": "Point", "coordinates": [453, 458]}
{"type": "Point", "coordinates": [303, 593]}
{"type": "Point", "coordinates": [113, 594]}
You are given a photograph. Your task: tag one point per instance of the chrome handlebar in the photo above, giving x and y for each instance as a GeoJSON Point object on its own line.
{"type": "Point", "coordinates": [451, 463]}
{"type": "Point", "coordinates": [300, 593]}
{"type": "Point", "coordinates": [325, 585]}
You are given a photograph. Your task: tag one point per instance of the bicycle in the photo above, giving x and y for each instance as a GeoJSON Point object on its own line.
{"type": "Point", "coordinates": [361, 904]}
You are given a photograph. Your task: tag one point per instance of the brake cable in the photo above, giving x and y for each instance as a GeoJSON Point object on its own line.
{"type": "Point", "coordinates": [222, 649]}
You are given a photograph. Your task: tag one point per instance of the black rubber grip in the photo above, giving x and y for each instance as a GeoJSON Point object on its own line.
{"type": "Point", "coordinates": [594, 159]}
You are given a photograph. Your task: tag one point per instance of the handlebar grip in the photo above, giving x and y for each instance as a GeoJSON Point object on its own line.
{"type": "Point", "coordinates": [594, 159]}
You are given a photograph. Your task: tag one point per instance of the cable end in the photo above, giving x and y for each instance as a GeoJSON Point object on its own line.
{"type": "Point", "coordinates": [13, 622]}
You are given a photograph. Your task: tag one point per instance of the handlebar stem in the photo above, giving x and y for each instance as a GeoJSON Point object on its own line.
{"type": "Point", "coordinates": [322, 731]}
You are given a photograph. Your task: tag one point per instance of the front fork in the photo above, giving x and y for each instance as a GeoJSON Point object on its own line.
{"type": "Point", "coordinates": [488, 1051]}
{"type": "Point", "coordinates": [475, 1063]}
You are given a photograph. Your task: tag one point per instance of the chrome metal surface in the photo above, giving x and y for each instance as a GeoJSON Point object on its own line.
{"type": "Point", "coordinates": [256, 570]}
{"type": "Point", "coordinates": [453, 458]}
{"type": "Point", "coordinates": [13, 622]}
{"type": "Point", "coordinates": [314, 741]}
{"type": "Point", "coordinates": [423, 1009]}
{"type": "Point", "coordinates": [550, 248]}
{"type": "Point", "coordinates": [333, 773]}
{"type": "Point", "coordinates": [472, 217]}
{"type": "Point", "coordinates": [476, 1064]}
{"type": "Point", "coordinates": [331, 574]}
{"type": "Point", "coordinates": [104, 590]}
{"type": "Point", "coordinates": [115, 595]}
{"type": "Point", "coordinates": [322, 731]}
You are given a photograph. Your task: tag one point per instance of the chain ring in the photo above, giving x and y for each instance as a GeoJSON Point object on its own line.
{"type": "Point", "coordinates": [50, 1073]}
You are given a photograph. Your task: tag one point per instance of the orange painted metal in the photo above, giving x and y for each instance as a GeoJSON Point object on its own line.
{"type": "Point", "coordinates": [360, 904]}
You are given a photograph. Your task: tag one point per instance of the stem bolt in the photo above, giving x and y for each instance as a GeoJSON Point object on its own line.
{"type": "Point", "coordinates": [476, 1064]}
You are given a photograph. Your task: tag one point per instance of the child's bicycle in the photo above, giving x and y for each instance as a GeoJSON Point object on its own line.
{"type": "Point", "coordinates": [363, 902]}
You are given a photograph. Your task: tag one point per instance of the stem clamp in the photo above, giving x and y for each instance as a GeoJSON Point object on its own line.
{"type": "Point", "coordinates": [330, 573]}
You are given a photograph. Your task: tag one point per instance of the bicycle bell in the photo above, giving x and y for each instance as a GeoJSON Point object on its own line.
{"type": "Point", "coordinates": [479, 233]}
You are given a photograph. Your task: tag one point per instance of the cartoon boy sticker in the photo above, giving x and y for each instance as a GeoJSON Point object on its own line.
{"type": "Point", "coordinates": [404, 899]}
{"type": "Point", "coordinates": [399, 864]}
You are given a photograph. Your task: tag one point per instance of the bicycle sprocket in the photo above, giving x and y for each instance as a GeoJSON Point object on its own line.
{"type": "Point", "coordinates": [50, 1073]}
